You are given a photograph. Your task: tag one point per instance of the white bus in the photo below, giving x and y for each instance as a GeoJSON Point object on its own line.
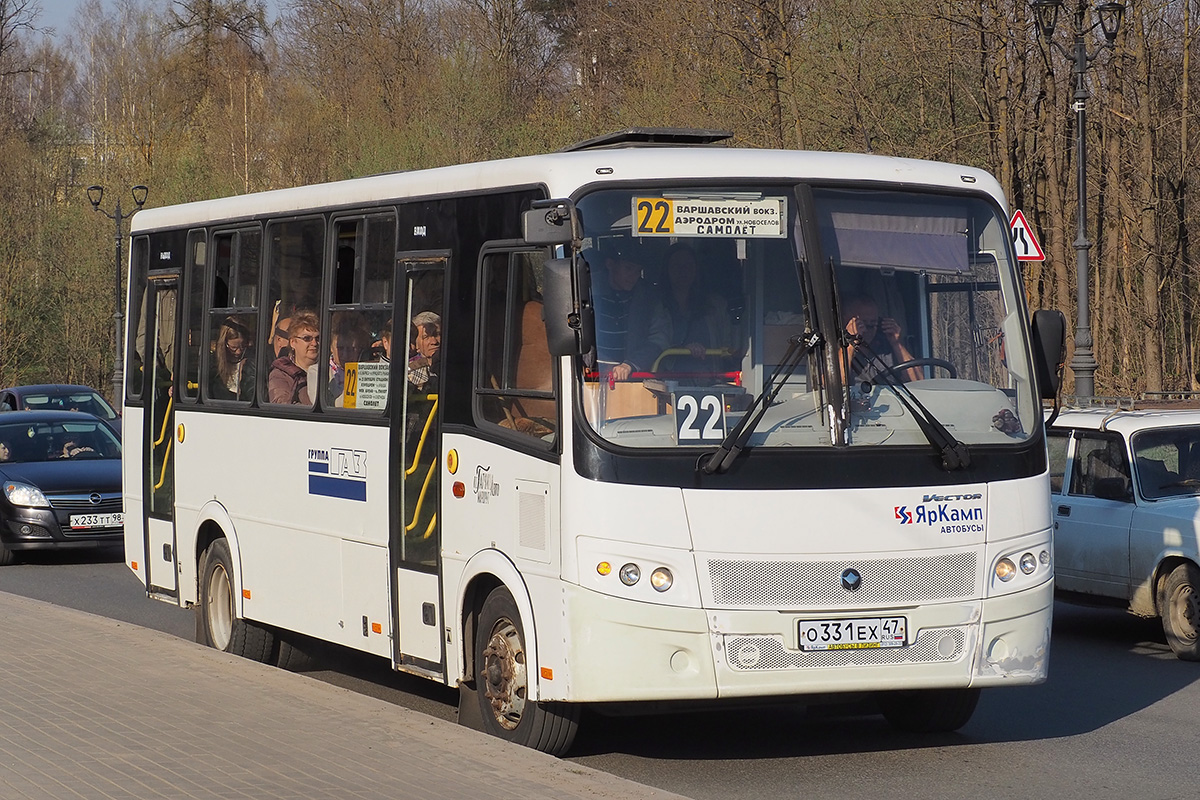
{"type": "Point", "coordinates": [676, 422]}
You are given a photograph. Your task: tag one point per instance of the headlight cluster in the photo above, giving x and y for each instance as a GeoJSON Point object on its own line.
{"type": "Point", "coordinates": [1027, 563]}
{"type": "Point", "coordinates": [22, 494]}
{"type": "Point", "coordinates": [629, 574]}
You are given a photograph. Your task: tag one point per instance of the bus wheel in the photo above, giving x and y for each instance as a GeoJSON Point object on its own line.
{"type": "Point", "coordinates": [217, 625]}
{"type": "Point", "coordinates": [503, 682]}
{"type": "Point", "coordinates": [929, 710]}
{"type": "Point", "coordinates": [1179, 604]}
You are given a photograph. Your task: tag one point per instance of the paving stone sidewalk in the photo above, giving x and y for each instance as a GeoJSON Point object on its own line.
{"type": "Point", "coordinates": [99, 709]}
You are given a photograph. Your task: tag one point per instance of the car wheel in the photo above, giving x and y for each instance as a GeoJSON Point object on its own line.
{"type": "Point", "coordinates": [1179, 605]}
{"type": "Point", "coordinates": [503, 682]}
{"type": "Point", "coordinates": [6, 556]}
{"type": "Point", "coordinates": [929, 710]}
{"type": "Point", "coordinates": [218, 625]}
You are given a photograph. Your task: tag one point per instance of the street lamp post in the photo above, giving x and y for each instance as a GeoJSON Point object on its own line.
{"type": "Point", "coordinates": [1110, 14]}
{"type": "Point", "coordinates": [95, 195]}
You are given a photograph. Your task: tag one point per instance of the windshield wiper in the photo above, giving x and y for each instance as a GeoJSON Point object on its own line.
{"type": "Point", "coordinates": [799, 346]}
{"type": "Point", "coordinates": [954, 454]}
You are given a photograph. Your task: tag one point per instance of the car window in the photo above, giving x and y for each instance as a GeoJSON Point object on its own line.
{"type": "Point", "coordinates": [1101, 468]}
{"type": "Point", "coordinates": [1167, 462]}
{"type": "Point", "coordinates": [55, 441]}
{"type": "Point", "coordinates": [1056, 445]}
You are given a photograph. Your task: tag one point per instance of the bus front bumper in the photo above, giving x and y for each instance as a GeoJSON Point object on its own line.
{"type": "Point", "coordinates": [624, 651]}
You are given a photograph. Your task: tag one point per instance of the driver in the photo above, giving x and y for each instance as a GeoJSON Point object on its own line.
{"type": "Point", "coordinates": [873, 339]}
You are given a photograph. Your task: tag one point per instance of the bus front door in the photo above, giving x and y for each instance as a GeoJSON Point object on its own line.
{"type": "Point", "coordinates": [415, 540]}
{"type": "Point", "coordinates": [158, 437]}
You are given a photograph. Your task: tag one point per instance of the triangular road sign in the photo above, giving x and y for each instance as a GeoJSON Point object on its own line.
{"type": "Point", "coordinates": [1024, 241]}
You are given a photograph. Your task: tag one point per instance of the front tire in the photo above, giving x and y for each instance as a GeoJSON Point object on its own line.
{"type": "Point", "coordinates": [7, 556]}
{"type": "Point", "coordinates": [929, 710]}
{"type": "Point", "coordinates": [1179, 605]}
{"type": "Point", "coordinates": [503, 683]}
{"type": "Point", "coordinates": [217, 624]}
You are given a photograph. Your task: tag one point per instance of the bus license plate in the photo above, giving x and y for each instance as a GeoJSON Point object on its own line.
{"type": "Point", "coordinates": [852, 634]}
{"type": "Point", "coordinates": [84, 521]}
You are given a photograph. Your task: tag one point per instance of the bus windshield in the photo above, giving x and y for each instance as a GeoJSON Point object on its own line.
{"type": "Point", "coordinates": [698, 293]}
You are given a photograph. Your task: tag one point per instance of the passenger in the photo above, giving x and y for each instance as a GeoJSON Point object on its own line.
{"type": "Point", "coordinates": [689, 317]}
{"type": "Point", "coordinates": [348, 339]}
{"type": "Point", "coordinates": [623, 306]}
{"type": "Point", "coordinates": [5, 451]}
{"type": "Point", "coordinates": [290, 381]}
{"type": "Point", "coordinates": [233, 375]}
{"type": "Point", "coordinates": [426, 336]}
{"type": "Point", "coordinates": [384, 345]}
{"type": "Point", "coordinates": [874, 342]}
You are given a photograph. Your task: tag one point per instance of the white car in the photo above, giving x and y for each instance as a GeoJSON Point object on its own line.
{"type": "Point", "coordinates": [1125, 496]}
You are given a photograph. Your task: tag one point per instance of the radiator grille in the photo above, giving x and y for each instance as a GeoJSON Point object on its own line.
{"type": "Point", "coordinates": [82, 503]}
{"type": "Point", "coordinates": [818, 584]}
{"type": "Point", "coordinates": [754, 653]}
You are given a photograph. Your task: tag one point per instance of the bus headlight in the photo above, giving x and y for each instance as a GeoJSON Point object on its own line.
{"type": "Point", "coordinates": [630, 574]}
{"type": "Point", "coordinates": [661, 579]}
{"type": "Point", "coordinates": [1028, 563]}
{"type": "Point", "coordinates": [1005, 569]}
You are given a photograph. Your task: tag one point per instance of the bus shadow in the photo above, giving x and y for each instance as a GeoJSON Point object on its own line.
{"type": "Point", "coordinates": [1105, 665]}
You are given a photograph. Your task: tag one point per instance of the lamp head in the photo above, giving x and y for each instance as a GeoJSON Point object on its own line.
{"type": "Point", "coordinates": [95, 195]}
{"type": "Point", "coordinates": [1046, 14]}
{"type": "Point", "coordinates": [1111, 15]}
{"type": "Point", "coordinates": [139, 194]}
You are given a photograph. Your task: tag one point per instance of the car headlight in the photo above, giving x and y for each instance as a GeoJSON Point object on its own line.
{"type": "Point", "coordinates": [22, 494]}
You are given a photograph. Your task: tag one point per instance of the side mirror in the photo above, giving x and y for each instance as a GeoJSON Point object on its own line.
{"type": "Point", "coordinates": [568, 307]}
{"type": "Point", "coordinates": [1049, 333]}
{"type": "Point", "coordinates": [549, 222]}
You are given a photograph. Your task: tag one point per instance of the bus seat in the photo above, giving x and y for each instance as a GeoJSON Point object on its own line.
{"type": "Point", "coordinates": [534, 364]}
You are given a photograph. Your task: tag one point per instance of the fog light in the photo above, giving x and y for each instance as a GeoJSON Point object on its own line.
{"type": "Point", "coordinates": [630, 574]}
{"type": "Point", "coordinates": [1044, 557]}
{"type": "Point", "coordinates": [661, 579]}
{"type": "Point", "coordinates": [1005, 569]}
{"type": "Point", "coordinates": [1028, 563]}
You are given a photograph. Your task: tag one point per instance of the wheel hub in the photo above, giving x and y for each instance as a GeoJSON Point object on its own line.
{"type": "Point", "coordinates": [504, 675]}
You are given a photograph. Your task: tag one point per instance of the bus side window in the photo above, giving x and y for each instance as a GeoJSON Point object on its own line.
{"type": "Point", "coordinates": [516, 386]}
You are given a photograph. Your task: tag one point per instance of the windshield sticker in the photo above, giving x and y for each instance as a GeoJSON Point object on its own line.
{"type": "Point", "coordinates": [749, 219]}
{"type": "Point", "coordinates": [338, 472]}
{"type": "Point", "coordinates": [950, 513]}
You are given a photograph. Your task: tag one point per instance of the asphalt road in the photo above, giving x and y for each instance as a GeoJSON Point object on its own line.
{"type": "Point", "coordinates": [1117, 719]}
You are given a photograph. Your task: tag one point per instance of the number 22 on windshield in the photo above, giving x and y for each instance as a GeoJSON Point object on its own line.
{"type": "Point", "coordinates": [655, 216]}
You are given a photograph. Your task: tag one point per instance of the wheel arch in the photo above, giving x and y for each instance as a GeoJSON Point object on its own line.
{"type": "Point", "coordinates": [484, 572]}
{"type": "Point", "coordinates": [215, 523]}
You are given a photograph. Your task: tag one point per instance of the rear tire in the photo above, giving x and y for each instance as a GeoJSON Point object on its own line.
{"type": "Point", "coordinates": [1179, 605]}
{"type": "Point", "coordinates": [502, 683]}
{"type": "Point", "coordinates": [929, 710]}
{"type": "Point", "coordinates": [217, 624]}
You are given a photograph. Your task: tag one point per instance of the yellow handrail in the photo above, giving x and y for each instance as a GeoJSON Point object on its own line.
{"type": "Point", "coordinates": [424, 434]}
{"type": "Point", "coordinates": [683, 351]}
{"type": "Point", "coordinates": [421, 498]}
{"type": "Point", "coordinates": [166, 422]}
{"type": "Point", "coordinates": [432, 526]}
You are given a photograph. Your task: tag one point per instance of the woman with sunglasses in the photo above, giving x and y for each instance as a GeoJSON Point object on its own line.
{"type": "Point", "coordinates": [289, 379]}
